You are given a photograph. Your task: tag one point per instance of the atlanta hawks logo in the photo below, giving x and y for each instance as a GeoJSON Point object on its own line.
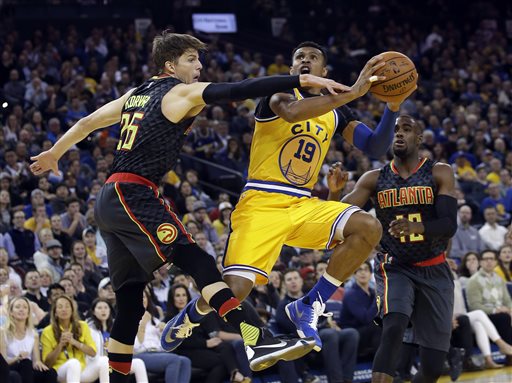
{"type": "Point", "coordinates": [299, 159]}
{"type": "Point", "coordinates": [166, 233]}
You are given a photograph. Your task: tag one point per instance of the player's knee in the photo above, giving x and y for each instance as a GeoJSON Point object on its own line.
{"type": "Point", "coordinates": [367, 226]}
{"type": "Point", "coordinates": [394, 326]}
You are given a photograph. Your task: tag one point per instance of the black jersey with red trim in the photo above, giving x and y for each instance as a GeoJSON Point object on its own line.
{"type": "Point", "coordinates": [149, 144]}
{"type": "Point", "coordinates": [412, 198]}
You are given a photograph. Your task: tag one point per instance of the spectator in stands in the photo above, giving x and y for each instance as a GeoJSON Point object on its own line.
{"type": "Point", "coordinates": [36, 199]}
{"type": "Point", "coordinates": [278, 66]}
{"type": "Point", "coordinates": [100, 322]}
{"type": "Point", "coordinates": [19, 345]}
{"type": "Point", "coordinates": [67, 341]}
{"type": "Point", "coordinates": [467, 238]}
{"type": "Point", "coordinates": [54, 291]}
{"type": "Point", "coordinates": [98, 254]}
{"type": "Point", "coordinates": [4, 264]}
{"type": "Point", "coordinates": [468, 267]}
{"type": "Point", "coordinates": [504, 267]}
{"type": "Point", "coordinates": [193, 178]}
{"type": "Point", "coordinates": [492, 234]}
{"type": "Point", "coordinates": [204, 243]}
{"type": "Point", "coordinates": [233, 156]}
{"type": "Point", "coordinates": [33, 290]}
{"type": "Point", "coordinates": [5, 211]}
{"type": "Point", "coordinates": [92, 275]}
{"type": "Point", "coordinates": [201, 217]}
{"type": "Point", "coordinates": [221, 224]}
{"type": "Point", "coordinates": [482, 327]}
{"type": "Point", "coordinates": [160, 285]}
{"type": "Point", "coordinates": [486, 291]}
{"type": "Point", "coordinates": [55, 262]}
{"type": "Point", "coordinates": [20, 243]}
{"type": "Point", "coordinates": [147, 347]}
{"type": "Point", "coordinates": [360, 308]}
{"type": "Point", "coordinates": [60, 235]}
{"type": "Point", "coordinates": [80, 287]}
{"type": "Point", "coordinates": [106, 292]}
{"type": "Point", "coordinates": [58, 204]}
{"type": "Point", "coordinates": [38, 221]}
{"type": "Point", "coordinates": [14, 89]}
{"type": "Point", "coordinates": [496, 200]}
{"type": "Point", "coordinates": [293, 370]}
{"type": "Point", "coordinates": [46, 281]}
{"type": "Point", "coordinates": [73, 222]}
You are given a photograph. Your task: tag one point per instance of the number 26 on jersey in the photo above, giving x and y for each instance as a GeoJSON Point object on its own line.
{"type": "Point", "coordinates": [129, 129]}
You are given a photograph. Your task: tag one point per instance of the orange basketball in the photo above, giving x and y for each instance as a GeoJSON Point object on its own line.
{"type": "Point", "coordinates": [401, 76]}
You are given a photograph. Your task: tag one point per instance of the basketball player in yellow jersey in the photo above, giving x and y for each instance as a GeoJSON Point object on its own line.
{"type": "Point", "coordinates": [292, 136]}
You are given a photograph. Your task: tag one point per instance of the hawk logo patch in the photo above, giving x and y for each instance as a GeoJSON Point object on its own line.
{"type": "Point", "coordinates": [166, 233]}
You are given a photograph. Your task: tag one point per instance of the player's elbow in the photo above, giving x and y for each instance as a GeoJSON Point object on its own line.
{"type": "Point", "coordinates": [452, 229]}
{"type": "Point", "coordinates": [290, 116]}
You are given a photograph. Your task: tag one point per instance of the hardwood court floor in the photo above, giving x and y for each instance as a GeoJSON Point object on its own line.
{"type": "Point", "coordinates": [502, 375]}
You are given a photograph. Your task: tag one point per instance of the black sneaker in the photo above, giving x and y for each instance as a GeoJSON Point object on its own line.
{"type": "Point", "coordinates": [455, 359]}
{"type": "Point", "coordinates": [269, 350]}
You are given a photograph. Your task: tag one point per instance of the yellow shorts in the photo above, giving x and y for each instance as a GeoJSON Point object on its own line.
{"type": "Point", "coordinates": [262, 222]}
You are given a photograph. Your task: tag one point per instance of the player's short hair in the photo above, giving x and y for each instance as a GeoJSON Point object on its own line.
{"type": "Point", "coordinates": [311, 44]}
{"type": "Point", "coordinates": [170, 46]}
{"type": "Point", "coordinates": [417, 126]}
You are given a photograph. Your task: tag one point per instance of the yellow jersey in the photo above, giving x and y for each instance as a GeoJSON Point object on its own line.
{"type": "Point", "coordinates": [288, 156]}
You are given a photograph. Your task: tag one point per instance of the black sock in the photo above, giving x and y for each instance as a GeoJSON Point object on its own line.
{"type": "Point", "coordinates": [119, 367]}
{"type": "Point", "coordinates": [229, 308]}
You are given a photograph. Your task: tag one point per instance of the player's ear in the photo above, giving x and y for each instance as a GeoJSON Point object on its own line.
{"type": "Point", "coordinates": [291, 68]}
{"type": "Point", "coordinates": [170, 66]}
{"type": "Point", "coordinates": [325, 71]}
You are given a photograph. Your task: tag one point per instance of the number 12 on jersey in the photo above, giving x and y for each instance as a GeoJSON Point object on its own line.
{"type": "Point", "coordinates": [129, 128]}
{"type": "Point", "coordinates": [413, 217]}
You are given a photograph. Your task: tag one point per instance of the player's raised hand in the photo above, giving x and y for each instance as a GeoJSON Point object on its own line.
{"type": "Point", "coordinates": [312, 81]}
{"type": "Point", "coordinates": [43, 162]}
{"type": "Point", "coordinates": [337, 177]}
{"type": "Point", "coordinates": [367, 76]}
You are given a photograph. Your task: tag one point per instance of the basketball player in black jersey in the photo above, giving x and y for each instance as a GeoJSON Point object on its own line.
{"type": "Point", "coordinates": [140, 230]}
{"type": "Point", "coordinates": [413, 198]}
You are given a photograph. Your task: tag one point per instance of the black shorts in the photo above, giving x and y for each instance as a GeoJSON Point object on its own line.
{"type": "Point", "coordinates": [424, 294]}
{"type": "Point", "coordinates": [138, 227]}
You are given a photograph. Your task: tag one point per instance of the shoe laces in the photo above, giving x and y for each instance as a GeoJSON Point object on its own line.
{"type": "Point", "coordinates": [185, 329]}
{"type": "Point", "coordinates": [318, 311]}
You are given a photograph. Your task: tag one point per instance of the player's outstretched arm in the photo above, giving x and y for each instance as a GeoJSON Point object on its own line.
{"type": "Point", "coordinates": [187, 100]}
{"type": "Point", "coordinates": [292, 110]}
{"type": "Point", "coordinates": [363, 189]}
{"type": "Point", "coordinates": [376, 142]}
{"type": "Point", "coordinates": [107, 115]}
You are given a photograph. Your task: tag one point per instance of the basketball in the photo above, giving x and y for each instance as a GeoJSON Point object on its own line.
{"type": "Point", "coordinates": [401, 77]}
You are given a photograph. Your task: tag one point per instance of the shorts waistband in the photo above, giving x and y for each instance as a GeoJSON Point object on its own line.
{"type": "Point", "coordinates": [277, 187]}
{"type": "Point", "coordinates": [441, 258]}
{"type": "Point", "coordinates": [131, 178]}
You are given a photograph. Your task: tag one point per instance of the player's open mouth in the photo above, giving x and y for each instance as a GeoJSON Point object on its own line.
{"type": "Point", "coordinates": [305, 70]}
{"type": "Point", "coordinates": [399, 143]}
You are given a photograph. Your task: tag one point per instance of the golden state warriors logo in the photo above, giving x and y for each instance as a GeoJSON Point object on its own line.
{"type": "Point", "coordinates": [166, 233]}
{"type": "Point", "coordinates": [299, 159]}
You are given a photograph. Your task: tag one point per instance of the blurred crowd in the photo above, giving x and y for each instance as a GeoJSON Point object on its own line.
{"type": "Point", "coordinates": [53, 266]}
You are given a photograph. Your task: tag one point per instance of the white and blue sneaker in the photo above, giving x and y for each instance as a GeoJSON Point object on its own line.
{"type": "Point", "coordinates": [178, 329]}
{"type": "Point", "coordinates": [305, 318]}
{"type": "Point", "coordinates": [269, 350]}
